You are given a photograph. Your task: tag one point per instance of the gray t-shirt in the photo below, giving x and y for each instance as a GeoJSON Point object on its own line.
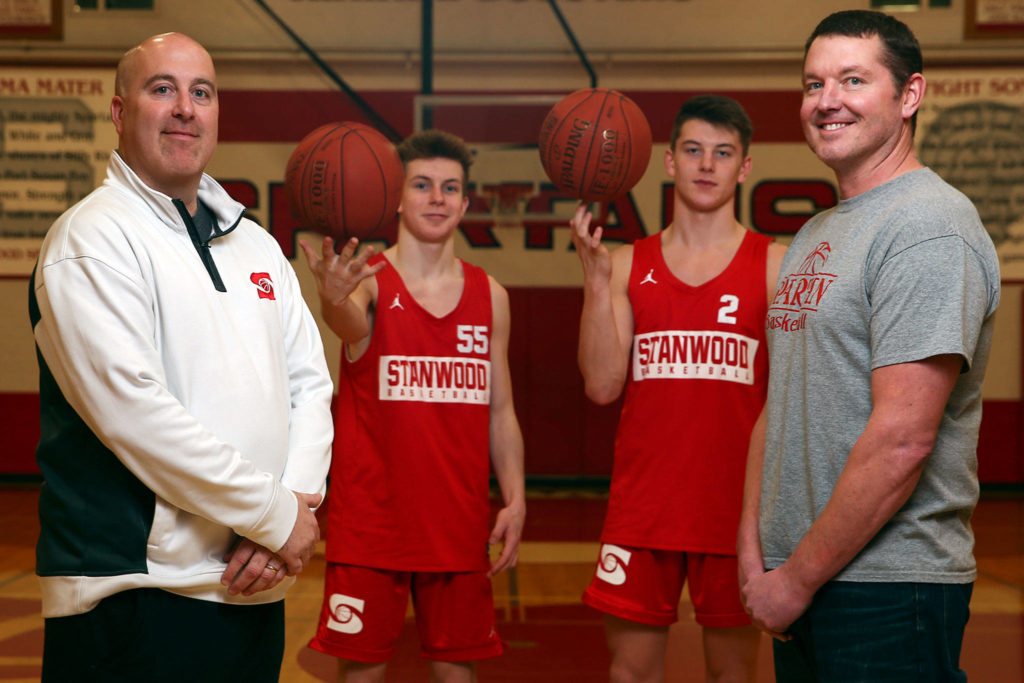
{"type": "Point", "coordinates": [897, 274]}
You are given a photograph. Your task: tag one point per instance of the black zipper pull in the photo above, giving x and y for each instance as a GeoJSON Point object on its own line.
{"type": "Point", "coordinates": [202, 248]}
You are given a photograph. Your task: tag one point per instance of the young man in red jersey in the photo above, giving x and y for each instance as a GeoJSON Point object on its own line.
{"type": "Point", "coordinates": [678, 320]}
{"type": "Point", "coordinates": [424, 397]}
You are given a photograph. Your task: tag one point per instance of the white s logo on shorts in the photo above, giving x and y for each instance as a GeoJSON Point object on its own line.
{"type": "Point", "coordinates": [345, 613]}
{"type": "Point", "coordinates": [612, 565]}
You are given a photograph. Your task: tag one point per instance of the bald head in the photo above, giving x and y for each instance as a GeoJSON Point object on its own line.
{"type": "Point", "coordinates": [128, 64]}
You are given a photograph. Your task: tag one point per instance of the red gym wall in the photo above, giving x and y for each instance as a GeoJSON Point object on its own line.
{"type": "Point", "coordinates": [566, 435]}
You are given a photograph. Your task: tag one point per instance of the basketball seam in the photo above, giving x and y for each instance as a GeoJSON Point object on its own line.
{"type": "Point", "coordinates": [627, 157]}
{"type": "Point", "coordinates": [565, 121]}
{"type": "Point", "coordinates": [594, 140]}
{"type": "Point", "coordinates": [380, 171]}
{"type": "Point", "coordinates": [307, 179]}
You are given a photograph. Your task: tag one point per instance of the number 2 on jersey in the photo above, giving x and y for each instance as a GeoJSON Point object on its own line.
{"type": "Point", "coordinates": [731, 305]}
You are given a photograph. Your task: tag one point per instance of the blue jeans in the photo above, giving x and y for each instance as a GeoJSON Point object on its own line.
{"type": "Point", "coordinates": [875, 632]}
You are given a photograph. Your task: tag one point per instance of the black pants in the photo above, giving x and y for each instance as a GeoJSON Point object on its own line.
{"type": "Point", "coordinates": [149, 634]}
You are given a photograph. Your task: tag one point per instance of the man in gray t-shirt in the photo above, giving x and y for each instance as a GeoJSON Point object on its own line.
{"type": "Point", "coordinates": [855, 545]}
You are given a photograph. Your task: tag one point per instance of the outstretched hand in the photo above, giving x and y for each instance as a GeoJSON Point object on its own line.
{"type": "Point", "coordinates": [338, 275]}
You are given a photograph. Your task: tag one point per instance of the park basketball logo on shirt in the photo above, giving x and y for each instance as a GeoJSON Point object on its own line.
{"type": "Point", "coordinates": [612, 565]}
{"type": "Point", "coordinates": [345, 613]}
{"type": "Point", "coordinates": [696, 354]}
{"type": "Point", "coordinates": [801, 292]}
{"type": "Point", "coordinates": [435, 379]}
{"type": "Point", "coordinates": [649, 278]}
{"type": "Point", "coordinates": [264, 286]}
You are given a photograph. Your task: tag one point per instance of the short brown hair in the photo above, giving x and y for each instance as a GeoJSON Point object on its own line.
{"type": "Point", "coordinates": [717, 110]}
{"type": "Point", "coordinates": [901, 53]}
{"type": "Point", "coordinates": [437, 144]}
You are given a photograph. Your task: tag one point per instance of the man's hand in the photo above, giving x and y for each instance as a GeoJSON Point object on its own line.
{"type": "Point", "coordinates": [774, 600]}
{"type": "Point", "coordinates": [508, 529]}
{"type": "Point", "coordinates": [597, 262]}
{"type": "Point", "coordinates": [251, 569]}
{"type": "Point", "coordinates": [750, 567]}
{"type": "Point", "coordinates": [338, 275]}
{"type": "Point", "coordinates": [298, 549]}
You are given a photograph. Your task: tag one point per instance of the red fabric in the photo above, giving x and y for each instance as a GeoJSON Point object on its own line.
{"type": "Point", "coordinates": [645, 586]}
{"type": "Point", "coordinates": [680, 451]}
{"type": "Point", "coordinates": [364, 611]}
{"type": "Point", "coordinates": [409, 478]}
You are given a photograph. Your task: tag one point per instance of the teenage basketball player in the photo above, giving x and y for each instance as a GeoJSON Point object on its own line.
{"type": "Point", "coordinates": [678, 320]}
{"type": "Point", "coordinates": [424, 397]}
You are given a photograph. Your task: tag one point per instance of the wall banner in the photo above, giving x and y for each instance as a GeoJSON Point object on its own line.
{"type": "Point", "coordinates": [971, 132]}
{"type": "Point", "coordinates": [55, 139]}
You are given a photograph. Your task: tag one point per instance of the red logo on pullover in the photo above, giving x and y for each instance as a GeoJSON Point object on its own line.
{"type": "Point", "coordinates": [264, 287]}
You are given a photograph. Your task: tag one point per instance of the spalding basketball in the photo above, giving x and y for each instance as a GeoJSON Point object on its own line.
{"type": "Point", "coordinates": [595, 144]}
{"type": "Point", "coordinates": [345, 180]}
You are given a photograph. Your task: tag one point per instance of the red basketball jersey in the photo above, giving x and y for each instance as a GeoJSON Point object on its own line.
{"type": "Point", "coordinates": [409, 478]}
{"type": "Point", "coordinates": [697, 381]}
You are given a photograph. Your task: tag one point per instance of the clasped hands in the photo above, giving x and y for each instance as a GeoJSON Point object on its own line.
{"type": "Point", "coordinates": [253, 568]}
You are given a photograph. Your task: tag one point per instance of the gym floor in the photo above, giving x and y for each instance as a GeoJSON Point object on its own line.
{"type": "Point", "coordinates": [551, 636]}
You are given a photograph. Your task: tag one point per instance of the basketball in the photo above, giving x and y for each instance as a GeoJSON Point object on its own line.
{"type": "Point", "coordinates": [595, 144]}
{"type": "Point", "coordinates": [344, 180]}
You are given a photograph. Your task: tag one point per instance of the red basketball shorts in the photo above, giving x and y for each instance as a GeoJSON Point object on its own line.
{"type": "Point", "coordinates": [364, 610]}
{"type": "Point", "coordinates": [644, 586]}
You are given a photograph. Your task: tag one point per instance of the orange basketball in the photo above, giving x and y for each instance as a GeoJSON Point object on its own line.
{"type": "Point", "coordinates": [345, 180]}
{"type": "Point", "coordinates": [595, 144]}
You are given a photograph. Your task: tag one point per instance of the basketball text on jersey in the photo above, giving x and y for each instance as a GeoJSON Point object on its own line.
{"type": "Point", "coordinates": [707, 354]}
{"type": "Point", "coordinates": [435, 379]}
